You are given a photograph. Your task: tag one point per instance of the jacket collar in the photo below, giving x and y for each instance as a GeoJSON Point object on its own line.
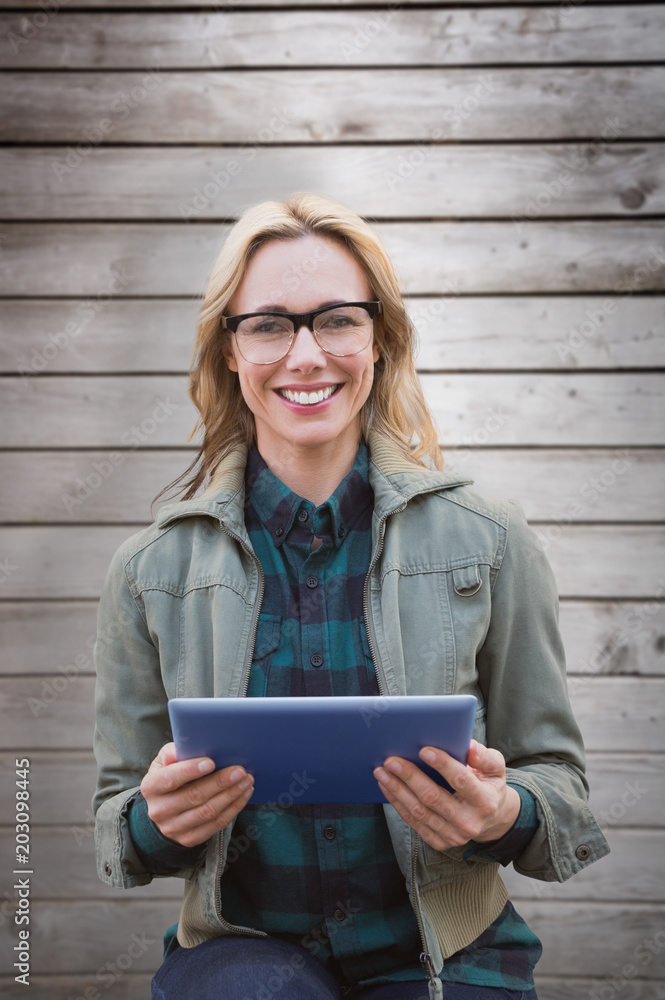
{"type": "Point", "coordinates": [394, 479]}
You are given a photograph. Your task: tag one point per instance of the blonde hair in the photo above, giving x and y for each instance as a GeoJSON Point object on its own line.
{"type": "Point", "coordinates": [396, 405]}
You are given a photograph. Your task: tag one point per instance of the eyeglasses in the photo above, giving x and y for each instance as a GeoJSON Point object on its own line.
{"type": "Point", "coordinates": [340, 330]}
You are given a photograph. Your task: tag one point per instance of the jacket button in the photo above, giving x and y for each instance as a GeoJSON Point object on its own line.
{"type": "Point", "coordinates": [107, 869]}
{"type": "Point", "coordinates": [316, 660]}
{"type": "Point", "coordinates": [330, 833]}
{"type": "Point", "coordinates": [312, 582]}
{"type": "Point", "coordinates": [583, 852]}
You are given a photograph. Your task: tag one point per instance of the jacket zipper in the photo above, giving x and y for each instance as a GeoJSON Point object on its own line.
{"type": "Point", "coordinates": [425, 957]}
{"type": "Point", "coordinates": [247, 931]}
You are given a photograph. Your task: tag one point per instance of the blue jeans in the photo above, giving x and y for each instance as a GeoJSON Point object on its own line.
{"type": "Point", "coordinates": [245, 968]}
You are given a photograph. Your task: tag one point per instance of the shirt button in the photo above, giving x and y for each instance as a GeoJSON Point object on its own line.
{"type": "Point", "coordinates": [341, 531]}
{"type": "Point", "coordinates": [312, 582]}
{"type": "Point", "coordinates": [330, 833]}
{"type": "Point", "coordinates": [302, 516]}
{"type": "Point", "coordinates": [279, 531]}
{"type": "Point", "coordinates": [316, 660]}
{"type": "Point", "coordinates": [339, 916]}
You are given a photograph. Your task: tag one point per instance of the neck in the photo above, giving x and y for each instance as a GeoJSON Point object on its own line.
{"type": "Point", "coordinates": [312, 473]}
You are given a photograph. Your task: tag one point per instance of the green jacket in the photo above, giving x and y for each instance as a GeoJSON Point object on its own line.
{"type": "Point", "coordinates": [459, 598]}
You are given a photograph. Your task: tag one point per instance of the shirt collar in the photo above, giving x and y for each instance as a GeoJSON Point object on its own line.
{"type": "Point", "coordinates": [278, 506]}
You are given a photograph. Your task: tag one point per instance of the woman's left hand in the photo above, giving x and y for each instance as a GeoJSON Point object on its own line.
{"type": "Point", "coordinates": [483, 808]}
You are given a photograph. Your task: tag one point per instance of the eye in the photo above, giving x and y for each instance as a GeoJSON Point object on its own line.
{"type": "Point", "coordinates": [269, 325]}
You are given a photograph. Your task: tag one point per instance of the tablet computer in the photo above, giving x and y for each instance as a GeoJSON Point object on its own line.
{"type": "Point", "coordinates": [320, 749]}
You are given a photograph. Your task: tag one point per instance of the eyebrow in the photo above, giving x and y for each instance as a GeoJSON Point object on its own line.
{"type": "Point", "coordinates": [278, 307]}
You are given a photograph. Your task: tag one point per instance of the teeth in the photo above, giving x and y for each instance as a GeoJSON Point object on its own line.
{"type": "Point", "coordinates": [308, 398]}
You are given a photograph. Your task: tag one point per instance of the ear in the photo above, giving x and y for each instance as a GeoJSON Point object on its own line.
{"type": "Point", "coordinates": [229, 355]}
{"type": "Point", "coordinates": [376, 353]}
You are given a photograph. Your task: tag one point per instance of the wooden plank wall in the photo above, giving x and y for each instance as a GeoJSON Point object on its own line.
{"type": "Point", "coordinates": [512, 157]}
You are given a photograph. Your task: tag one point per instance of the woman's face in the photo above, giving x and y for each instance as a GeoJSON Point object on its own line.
{"type": "Point", "coordinates": [300, 276]}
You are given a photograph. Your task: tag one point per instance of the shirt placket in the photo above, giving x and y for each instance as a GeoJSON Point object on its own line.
{"type": "Point", "coordinates": [311, 580]}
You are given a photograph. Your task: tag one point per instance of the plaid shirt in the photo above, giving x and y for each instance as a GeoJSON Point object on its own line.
{"type": "Point", "coordinates": [325, 876]}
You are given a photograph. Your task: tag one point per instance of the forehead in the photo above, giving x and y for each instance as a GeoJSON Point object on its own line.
{"type": "Point", "coordinates": [299, 275]}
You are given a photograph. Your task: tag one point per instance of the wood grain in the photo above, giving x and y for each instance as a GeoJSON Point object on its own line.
{"type": "Point", "coordinates": [611, 410]}
{"type": "Point", "coordinates": [65, 856]}
{"type": "Point", "coordinates": [62, 783]}
{"type": "Point", "coordinates": [455, 332]}
{"type": "Point", "coordinates": [600, 637]}
{"type": "Point", "coordinates": [99, 932]}
{"type": "Point", "coordinates": [320, 105]}
{"type": "Point", "coordinates": [392, 37]}
{"type": "Point", "coordinates": [552, 484]}
{"type": "Point", "coordinates": [605, 177]}
{"type": "Point", "coordinates": [625, 257]}
{"type": "Point", "coordinates": [589, 560]}
{"type": "Point", "coordinates": [614, 713]}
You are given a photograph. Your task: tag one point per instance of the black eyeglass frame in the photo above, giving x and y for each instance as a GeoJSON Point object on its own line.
{"type": "Point", "coordinates": [299, 320]}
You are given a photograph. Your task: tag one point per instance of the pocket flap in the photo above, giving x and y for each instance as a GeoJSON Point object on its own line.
{"type": "Point", "coordinates": [467, 580]}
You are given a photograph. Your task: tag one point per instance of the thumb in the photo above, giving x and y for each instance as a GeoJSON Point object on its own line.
{"type": "Point", "coordinates": [487, 761]}
{"type": "Point", "coordinates": [166, 755]}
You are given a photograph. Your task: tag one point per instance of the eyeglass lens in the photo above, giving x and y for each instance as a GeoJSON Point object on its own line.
{"type": "Point", "coordinates": [339, 331]}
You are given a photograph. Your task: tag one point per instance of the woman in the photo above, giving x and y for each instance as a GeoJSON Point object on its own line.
{"type": "Point", "coordinates": [329, 554]}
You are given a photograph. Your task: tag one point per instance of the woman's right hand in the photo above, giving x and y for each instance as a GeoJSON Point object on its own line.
{"type": "Point", "coordinates": [187, 802]}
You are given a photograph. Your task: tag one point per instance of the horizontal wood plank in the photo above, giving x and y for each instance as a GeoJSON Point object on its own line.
{"type": "Point", "coordinates": [589, 560]}
{"type": "Point", "coordinates": [632, 872]}
{"type": "Point", "coordinates": [566, 988]}
{"type": "Point", "coordinates": [481, 333]}
{"type": "Point", "coordinates": [47, 637]}
{"type": "Point", "coordinates": [100, 932]}
{"type": "Point", "coordinates": [595, 939]}
{"type": "Point", "coordinates": [614, 713]}
{"type": "Point", "coordinates": [552, 484]}
{"type": "Point", "coordinates": [605, 637]}
{"type": "Point", "coordinates": [600, 637]}
{"type": "Point", "coordinates": [517, 181]}
{"type": "Point", "coordinates": [460, 258]}
{"type": "Point", "coordinates": [68, 937]}
{"type": "Point", "coordinates": [132, 986]}
{"type": "Point", "coordinates": [62, 783]}
{"type": "Point", "coordinates": [320, 105]}
{"type": "Point", "coordinates": [610, 410]}
{"type": "Point", "coordinates": [397, 37]}
{"type": "Point", "coordinates": [223, 5]}
{"type": "Point", "coordinates": [65, 859]}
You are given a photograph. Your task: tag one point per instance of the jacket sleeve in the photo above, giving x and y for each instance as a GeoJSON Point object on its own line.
{"type": "Point", "coordinates": [132, 724]}
{"type": "Point", "coordinates": [522, 676]}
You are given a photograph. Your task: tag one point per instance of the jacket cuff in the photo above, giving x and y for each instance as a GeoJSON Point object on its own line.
{"type": "Point", "coordinates": [510, 846]}
{"type": "Point", "coordinates": [159, 854]}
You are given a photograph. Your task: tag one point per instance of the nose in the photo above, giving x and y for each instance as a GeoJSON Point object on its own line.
{"type": "Point", "coordinates": [305, 353]}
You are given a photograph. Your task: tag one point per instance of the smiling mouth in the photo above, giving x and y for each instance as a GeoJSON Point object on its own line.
{"type": "Point", "coordinates": [308, 398]}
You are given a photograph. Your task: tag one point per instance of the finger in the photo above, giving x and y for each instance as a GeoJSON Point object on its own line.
{"type": "Point", "coordinates": [162, 779]}
{"type": "Point", "coordinates": [435, 830]}
{"type": "Point", "coordinates": [425, 801]}
{"type": "Point", "coordinates": [425, 788]}
{"type": "Point", "coordinates": [460, 777]}
{"type": "Point", "coordinates": [197, 825]}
